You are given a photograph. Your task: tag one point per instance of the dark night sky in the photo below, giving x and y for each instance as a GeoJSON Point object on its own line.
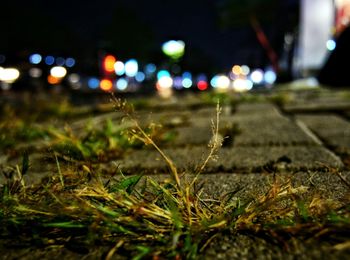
{"type": "Point", "coordinates": [194, 21]}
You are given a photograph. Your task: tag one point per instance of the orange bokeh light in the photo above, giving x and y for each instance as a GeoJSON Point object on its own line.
{"type": "Point", "coordinates": [237, 69]}
{"type": "Point", "coordinates": [106, 84]}
{"type": "Point", "coordinates": [53, 80]}
{"type": "Point", "coordinates": [108, 63]}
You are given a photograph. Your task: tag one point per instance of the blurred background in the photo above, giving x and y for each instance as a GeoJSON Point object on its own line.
{"type": "Point", "coordinates": [143, 47]}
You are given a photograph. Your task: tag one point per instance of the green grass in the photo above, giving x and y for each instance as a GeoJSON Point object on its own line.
{"type": "Point", "coordinates": [140, 217]}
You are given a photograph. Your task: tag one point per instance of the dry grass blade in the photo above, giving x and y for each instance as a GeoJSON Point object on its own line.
{"type": "Point", "coordinates": [143, 136]}
{"type": "Point", "coordinates": [170, 219]}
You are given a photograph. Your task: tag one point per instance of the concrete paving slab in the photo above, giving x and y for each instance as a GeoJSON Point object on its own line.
{"type": "Point", "coordinates": [242, 159]}
{"type": "Point", "coordinates": [252, 125]}
{"type": "Point", "coordinates": [330, 128]}
{"type": "Point", "coordinates": [318, 106]}
{"type": "Point", "coordinates": [267, 130]}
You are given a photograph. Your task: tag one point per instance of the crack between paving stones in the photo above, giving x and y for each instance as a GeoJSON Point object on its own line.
{"type": "Point", "coordinates": [319, 140]}
{"type": "Point", "coordinates": [314, 136]}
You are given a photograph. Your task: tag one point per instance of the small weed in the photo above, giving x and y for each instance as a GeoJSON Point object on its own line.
{"type": "Point", "coordinates": [140, 217]}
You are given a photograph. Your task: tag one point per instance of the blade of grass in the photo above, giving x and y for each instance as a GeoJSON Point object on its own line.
{"type": "Point", "coordinates": [59, 170]}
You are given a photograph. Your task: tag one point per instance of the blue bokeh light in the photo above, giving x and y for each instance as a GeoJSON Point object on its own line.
{"type": "Point", "coordinates": [150, 68]}
{"type": "Point", "coordinates": [187, 83]}
{"type": "Point", "coordinates": [49, 60]}
{"type": "Point", "coordinates": [163, 73]}
{"type": "Point", "coordinates": [131, 68]}
{"type": "Point", "coordinates": [187, 75]}
{"type": "Point", "coordinates": [35, 58]}
{"type": "Point", "coordinates": [140, 76]}
{"type": "Point", "coordinates": [178, 82]}
{"type": "Point", "coordinates": [122, 84]}
{"type": "Point", "coordinates": [60, 61]}
{"type": "Point", "coordinates": [331, 44]}
{"type": "Point", "coordinates": [93, 83]}
{"type": "Point", "coordinates": [70, 62]}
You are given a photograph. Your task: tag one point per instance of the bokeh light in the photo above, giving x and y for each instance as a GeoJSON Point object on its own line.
{"type": "Point", "coordinates": [106, 84]}
{"type": "Point", "coordinates": [163, 73]}
{"type": "Point", "coordinates": [270, 77]}
{"type": "Point", "coordinates": [35, 72]}
{"type": "Point", "coordinates": [150, 68]}
{"type": "Point", "coordinates": [331, 44]}
{"type": "Point", "coordinates": [119, 68]}
{"type": "Point", "coordinates": [74, 78]}
{"type": "Point", "coordinates": [187, 74]}
{"type": "Point", "coordinates": [58, 71]}
{"type": "Point", "coordinates": [140, 76]}
{"type": "Point", "coordinates": [202, 85]}
{"type": "Point", "coordinates": [53, 80]}
{"type": "Point", "coordinates": [174, 49]}
{"type": "Point", "coordinates": [202, 77]}
{"type": "Point", "coordinates": [245, 70]}
{"type": "Point", "coordinates": [165, 82]}
{"type": "Point", "coordinates": [122, 84]}
{"type": "Point", "coordinates": [35, 58]}
{"type": "Point", "coordinates": [49, 60]}
{"type": "Point", "coordinates": [93, 83]}
{"type": "Point", "coordinates": [220, 82]}
{"type": "Point", "coordinates": [108, 63]}
{"type": "Point", "coordinates": [187, 82]}
{"type": "Point", "coordinates": [70, 62]}
{"type": "Point", "coordinates": [177, 82]}
{"type": "Point", "coordinates": [9, 75]}
{"type": "Point", "coordinates": [236, 69]}
{"type": "Point", "coordinates": [241, 85]}
{"type": "Point", "coordinates": [257, 76]}
{"type": "Point", "coordinates": [131, 68]}
{"type": "Point", "coordinates": [60, 61]}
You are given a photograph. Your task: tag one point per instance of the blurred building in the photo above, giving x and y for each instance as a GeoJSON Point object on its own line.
{"type": "Point", "coordinates": [321, 21]}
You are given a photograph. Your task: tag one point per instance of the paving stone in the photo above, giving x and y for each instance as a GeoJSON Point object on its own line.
{"type": "Point", "coordinates": [269, 130]}
{"type": "Point", "coordinates": [252, 185]}
{"type": "Point", "coordinates": [258, 126]}
{"type": "Point", "coordinates": [241, 246]}
{"type": "Point", "coordinates": [332, 129]}
{"type": "Point", "coordinates": [321, 105]}
{"type": "Point", "coordinates": [263, 124]}
{"type": "Point", "coordinates": [253, 108]}
{"type": "Point", "coordinates": [241, 159]}
{"type": "Point", "coordinates": [198, 130]}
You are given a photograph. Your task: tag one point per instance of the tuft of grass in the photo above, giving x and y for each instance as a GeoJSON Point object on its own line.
{"type": "Point", "coordinates": [140, 217]}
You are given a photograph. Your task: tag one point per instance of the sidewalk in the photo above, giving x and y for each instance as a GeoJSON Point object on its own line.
{"type": "Point", "coordinates": [303, 139]}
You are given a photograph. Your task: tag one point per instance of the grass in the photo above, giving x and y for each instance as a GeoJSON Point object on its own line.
{"type": "Point", "coordinates": [140, 217]}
